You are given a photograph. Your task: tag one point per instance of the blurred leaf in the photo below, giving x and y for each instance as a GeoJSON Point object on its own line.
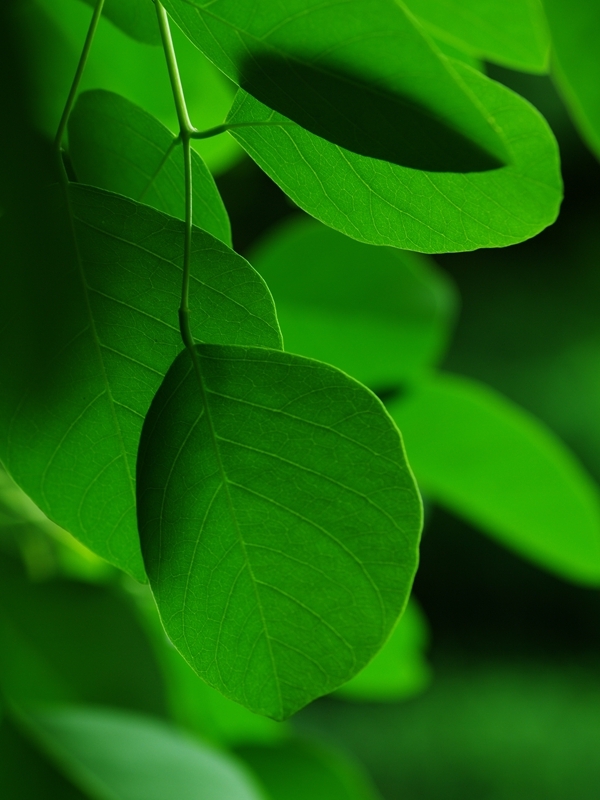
{"type": "Point", "coordinates": [136, 18]}
{"type": "Point", "coordinates": [346, 72]}
{"type": "Point", "coordinates": [481, 456]}
{"type": "Point", "coordinates": [66, 641]}
{"type": "Point", "coordinates": [25, 773]}
{"type": "Point", "coordinates": [57, 29]}
{"type": "Point", "coordinates": [89, 335]}
{"type": "Point", "coordinates": [117, 146]}
{"type": "Point", "coordinates": [513, 33]}
{"type": "Point", "coordinates": [279, 523]}
{"type": "Point", "coordinates": [113, 755]}
{"type": "Point", "coordinates": [399, 670]}
{"type": "Point", "coordinates": [298, 770]}
{"type": "Point", "coordinates": [576, 62]}
{"type": "Point", "coordinates": [384, 204]}
{"type": "Point", "coordinates": [380, 315]}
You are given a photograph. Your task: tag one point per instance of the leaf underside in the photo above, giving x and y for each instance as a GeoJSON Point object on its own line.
{"type": "Point", "coordinates": [279, 523]}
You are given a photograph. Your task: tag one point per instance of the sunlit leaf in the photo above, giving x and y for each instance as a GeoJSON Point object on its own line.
{"type": "Point", "coordinates": [380, 315]}
{"type": "Point", "coordinates": [576, 62]}
{"type": "Point", "coordinates": [399, 670]}
{"type": "Point", "coordinates": [297, 770]}
{"type": "Point", "coordinates": [513, 33]}
{"type": "Point", "coordinates": [113, 755]}
{"type": "Point", "coordinates": [348, 71]}
{"type": "Point", "coordinates": [89, 334]}
{"type": "Point", "coordinates": [136, 18]}
{"type": "Point", "coordinates": [486, 459]}
{"type": "Point", "coordinates": [279, 523]}
{"type": "Point", "coordinates": [67, 641]}
{"type": "Point", "coordinates": [381, 203]}
{"type": "Point", "coordinates": [116, 145]}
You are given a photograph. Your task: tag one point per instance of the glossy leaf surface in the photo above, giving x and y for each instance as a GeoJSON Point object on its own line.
{"type": "Point", "coordinates": [136, 18]}
{"type": "Point", "coordinates": [95, 330]}
{"type": "Point", "coordinates": [347, 71]}
{"type": "Point", "coordinates": [116, 145]}
{"type": "Point", "coordinates": [114, 755]}
{"type": "Point", "coordinates": [399, 670]}
{"type": "Point", "coordinates": [384, 204]}
{"type": "Point", "coordinates": [576, 62]}
{"type": "Point", "coordinates": [379, 314]}
{"type": "Point", "coordinates": [513, 33]}
{"type": "Point", "coordinates": [297, 769]}
{"type": "Point", "coordinates": [279, 523]}
{"type": "Point", "coordinates": [484, 458]}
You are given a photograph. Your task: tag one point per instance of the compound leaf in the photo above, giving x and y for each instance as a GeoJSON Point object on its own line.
{"type": "Point", "coordinates": [136, 18]}
{"type": "Point", "coordinates": [576, 62]}
{"type": "Point", "coordinates": [379, 314]}
{"type": "Point", "coordinates": [357, 72]}
{"type": "Point", "coordinates": [486, 459]}
{"type": "Point", "coordinates": [116, 145]}
{"type": "Point", "coordinates": [382, 203]}
{"type": "Point", "coordinates": [114, 755]}
{"type": "Point", "coordinates": [279, 522]}
{"type": "Point", "coordinates": [89, 332]}
{"type": "Point", "coordinates": [513, 33]}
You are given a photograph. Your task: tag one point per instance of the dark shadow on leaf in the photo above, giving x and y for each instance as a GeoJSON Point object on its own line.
{"type": "Point", "coordinates": [339, 107]}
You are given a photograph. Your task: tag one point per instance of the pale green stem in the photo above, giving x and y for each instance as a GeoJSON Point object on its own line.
{"type": "Point", "coordinates": [230, 126]}
{"type": "Point", "coordinates": [75, 85]}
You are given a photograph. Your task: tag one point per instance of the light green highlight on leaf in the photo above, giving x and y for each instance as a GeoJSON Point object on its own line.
{"type": "Point", "coordinates": [379, 314]}
{"type": "Point", "coordinates": [116, 145]}
{"type": "Point", "coordinates": [357, 72]}
{"type": "Point", "coordinates": [575, 28]}
{"type": "Point", "coordinates": [489, 461]}
{"type": "Point", "coordinates": [279, 523]}
{"type": "Point", "coordinates": [513, 33]}
{"type": "Point", "coordinates": [399, 670]}
{"type": "Point", "coordinates": [113, 755]}
{"type": "Point", "coordinates": [384, 204]}
{"type": "Point", "coordinates": [297, 770]}
{"type": "Point", "coordinates": [136, 18]}
{"type": "Point", "coordinates": [88, 343]}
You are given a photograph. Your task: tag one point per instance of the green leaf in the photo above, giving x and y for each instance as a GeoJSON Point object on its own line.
{"type": "Point", "coordinates": [486, 459]}
{"type": "Point", "coordinates": [399, 670]}
{"type": "Point", "coordinates": [116, 145]}
{"type": "Point", "coordinates": [112, 755]}
{"type": "Point", "coordinates": [279, 523]}
{"type": "Point", "coordinates": [346, 71]}
{"type": "Point", "coordinates": [297, 770]}
{"type": "Point", "coordinates": [379, 314]}
{"type": "Point", "coordinates": [385, 204]}
{"type": "Point", "coordinates": [513, 33]}
{"type": "Point", "coordinates": [66, 641]}
{"type": "Point", "coordinates": [89, 333]}
{"type": "Point", "coordinates": [136, 18]}
{"type": "Point", "coordinates": [576, 62]}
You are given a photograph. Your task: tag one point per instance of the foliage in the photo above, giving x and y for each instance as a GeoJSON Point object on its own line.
{"type": "Point", "coordinates": [208, 517]}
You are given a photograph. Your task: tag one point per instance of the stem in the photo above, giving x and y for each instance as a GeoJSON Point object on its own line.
{"type": "Point", "coordinates": [185, 131]}
{"type": "Point", "coordinates": [75, 85]}
{"type": "Point", "coordinates": [229, 126]}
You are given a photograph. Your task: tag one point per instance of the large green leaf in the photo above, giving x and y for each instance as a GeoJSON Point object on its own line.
{"type": "Point", "coordinates": [279, 523]}
{"type": "Point", "coordinates": [67, 641]}
{"type": "Point", "coordinates": [513, 33]}
{"type": "Point", "coordinates": [379, 314]}
{"type": "Point", "coordinates": [576, 62]}
{"type": "Point", "coordinates": [89, 333]}
{"type": "Point", "coordinates": [399, 670]}
{"type": "Point", "coordinates": [384, 204]}
{"type": "Point", "coordinates": [297, 770]}
{"type": "Point", "coordinates": [358, 72]}
{"type": "Point", "coordinates": [113, 755]}
{"type": "Point", "coordinates": [484, 458]}
{"type": "Point", "coordinates": [116, 145]}
{"type": "Point", "coordinates": [136, 18]}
